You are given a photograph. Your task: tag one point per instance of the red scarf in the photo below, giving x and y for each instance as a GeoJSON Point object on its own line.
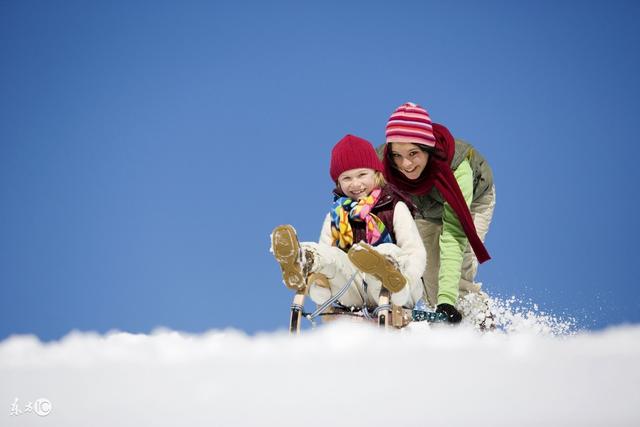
{"type": "Point", "coordinates": [438, 172]}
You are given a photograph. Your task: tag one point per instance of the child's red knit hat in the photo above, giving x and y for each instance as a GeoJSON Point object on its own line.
{"type": "Point", "coordinates": [352, 152]}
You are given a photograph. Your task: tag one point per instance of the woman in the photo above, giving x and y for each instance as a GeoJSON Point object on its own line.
{"type": "Point", "coordinates": [452, 186]}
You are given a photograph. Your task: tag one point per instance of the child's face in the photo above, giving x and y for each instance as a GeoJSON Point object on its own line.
{"type": "Point", "coordinates": [409, 159]}
{"type": "Point", "coordinates": [357, 183]}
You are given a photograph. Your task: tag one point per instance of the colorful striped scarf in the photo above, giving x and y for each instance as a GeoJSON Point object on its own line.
{"type": "Point", "coordinates": [345, 209]}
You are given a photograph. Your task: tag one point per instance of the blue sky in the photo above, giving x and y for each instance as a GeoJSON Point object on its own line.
{"type": "Point", "coordinates": [148, 149]}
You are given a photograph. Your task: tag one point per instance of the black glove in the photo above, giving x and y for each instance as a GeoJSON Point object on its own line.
{"type": "Point", "coordinates": [453, 315]}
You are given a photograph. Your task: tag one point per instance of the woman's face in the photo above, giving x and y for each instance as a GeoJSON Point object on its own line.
{"type": "Point", "coordinates": [357, 183]}
{"type": "Point", "coordinates": [409, 159]}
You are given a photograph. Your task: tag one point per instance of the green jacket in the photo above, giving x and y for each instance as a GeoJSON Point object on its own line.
{"type": "Point", "coordinates": [475, 178]}
{"type": "Point", "coordinates": [430, 206]}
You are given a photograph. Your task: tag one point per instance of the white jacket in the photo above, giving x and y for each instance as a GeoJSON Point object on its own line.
{"type": "Point", "coordinates": [412, 257]}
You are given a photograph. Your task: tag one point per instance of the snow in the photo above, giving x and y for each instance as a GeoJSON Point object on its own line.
{"type": "Point", "coordinates": [339, 374]}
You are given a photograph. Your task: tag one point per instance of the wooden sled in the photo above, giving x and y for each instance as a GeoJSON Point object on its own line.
{"type": "Point", "coordinates": [386, 315]}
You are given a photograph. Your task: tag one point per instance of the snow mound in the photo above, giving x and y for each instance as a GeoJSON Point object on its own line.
{"type": "Point", "coordinates": [339, 374]}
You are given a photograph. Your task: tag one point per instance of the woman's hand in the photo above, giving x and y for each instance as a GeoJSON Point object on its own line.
{"type": "Point", "coordinates": [452, 313]}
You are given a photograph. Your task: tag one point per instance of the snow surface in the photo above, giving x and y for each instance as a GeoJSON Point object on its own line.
{"type": "Point", "coordinates": [339, 374]}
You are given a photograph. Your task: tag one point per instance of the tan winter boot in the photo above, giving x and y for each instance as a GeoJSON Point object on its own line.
{"type": "Point", "coordinates": [286, 249]}
{"type": "Point", "coordinates": [369, 261]}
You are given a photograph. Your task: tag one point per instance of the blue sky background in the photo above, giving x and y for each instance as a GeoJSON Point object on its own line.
{"type": "Point", "coordinates": [148, 149]}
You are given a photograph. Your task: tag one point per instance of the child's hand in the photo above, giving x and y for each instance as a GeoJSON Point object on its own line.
{"type": "Point", "coordinates": [452, 313]}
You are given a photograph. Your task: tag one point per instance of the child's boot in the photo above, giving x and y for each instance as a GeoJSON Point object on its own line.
{"type": "Point", "coordinates": [286, 249]}
{"type": "Point", "coordinates": [369, 261]}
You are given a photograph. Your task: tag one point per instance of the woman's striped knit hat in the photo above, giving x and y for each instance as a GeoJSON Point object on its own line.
{"type": "Point", "coordinates": [410, 123]}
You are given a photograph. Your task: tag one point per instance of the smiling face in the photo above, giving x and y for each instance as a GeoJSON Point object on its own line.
{"type": "Point", "coordinates": [409, 159]}
{"type": "Point", "coordinates": [357, 183]}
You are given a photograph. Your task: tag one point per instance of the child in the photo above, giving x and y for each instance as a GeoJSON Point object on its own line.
{"type": "Point", "coordinates": [369, 229]}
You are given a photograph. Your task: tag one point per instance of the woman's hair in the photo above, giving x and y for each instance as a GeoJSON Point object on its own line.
{"type": "Point", "coordinates": [429, 150]}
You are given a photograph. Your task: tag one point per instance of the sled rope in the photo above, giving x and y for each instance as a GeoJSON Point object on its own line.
{"type": "Point", "coordinates": [336, 297]}
{"type": "Point", "coordinates": [374, 314]}
{"type": "Point", "coordinates": [331, 300]}
{"type": "Point", "coordinates": [365, 310]}
{"type": "Point", "coordinates": [381, 307]}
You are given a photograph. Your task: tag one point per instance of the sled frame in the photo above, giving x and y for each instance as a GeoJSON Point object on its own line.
{"type": "Point", "coordinates": [388, 316]}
